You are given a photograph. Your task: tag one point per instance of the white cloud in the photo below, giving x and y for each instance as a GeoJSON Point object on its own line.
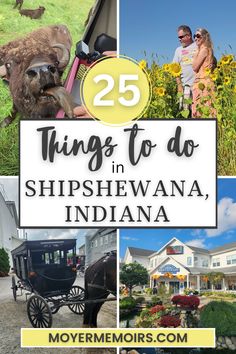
{"type": "Point", "coordinates": [198, 242]}
{"type": "Point", "coordinates": [196, 232]}
{"type": "Point", "coordinates": [128, 238]}
{"type": "Point", "coordinates": [50, 234]}
{"type": "Point", "coordinates": [226, 217]}
{"type": "Point", "coordinates": [45, 234]}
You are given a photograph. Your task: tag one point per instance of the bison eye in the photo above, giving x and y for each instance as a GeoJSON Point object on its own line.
{"type": "Point", "coordinates": [31, 73]}
{"type": "Point", "coordinates": [52, 69]}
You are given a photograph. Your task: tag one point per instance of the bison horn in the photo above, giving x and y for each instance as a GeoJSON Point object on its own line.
{"type": "Point", "coordinates": [3, 71]}
{"type": "Point", "coordinates": [65, 57]}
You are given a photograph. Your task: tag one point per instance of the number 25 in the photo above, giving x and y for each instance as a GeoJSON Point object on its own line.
{"type": "Point", "coordinates": [123, 88]}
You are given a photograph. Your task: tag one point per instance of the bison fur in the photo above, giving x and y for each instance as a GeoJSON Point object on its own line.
{"type": "Point", "coordinates": [33, 65]}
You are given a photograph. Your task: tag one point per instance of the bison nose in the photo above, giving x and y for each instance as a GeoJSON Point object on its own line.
{"type": "Point", "coordinates": [34, 71]}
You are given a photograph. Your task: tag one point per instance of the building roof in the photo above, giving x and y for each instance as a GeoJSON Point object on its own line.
{"type": "Point", "coordinates": [134, 251]}
{"type": "Point", "coordinates": [171, 259]}
{"type": "Point", "coordinates": [225, 270]}
{"type": "Point", "coordinates": [225, 247]}
{"type": "Point", "coordinates": [198, 249]}
{"type": "Point", "coordinates": [143, 252]}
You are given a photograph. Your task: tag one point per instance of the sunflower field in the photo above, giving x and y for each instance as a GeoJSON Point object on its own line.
{"type": "Point", "coordinates": [165, 103]}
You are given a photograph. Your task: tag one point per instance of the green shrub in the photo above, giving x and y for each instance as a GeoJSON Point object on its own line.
{"type": "Point", "coordinates": [221, 316]}
{"type": "Point", "coordinates": [4, 263]}
{"type": "Point", "coordinates": [148, 291]}
{"type": "Point", "coordinates": [127, 303]}
{"type": "Point", "coordinates": [206, 293]}
{"type": "Point", "coordinates": [140, 299]}
{"type": "Point", "coordinates": [217, 294]}
{"type": "Point", "coordinates": [155, 300]}
{"type": "Point", "coordinates": [189, 291]}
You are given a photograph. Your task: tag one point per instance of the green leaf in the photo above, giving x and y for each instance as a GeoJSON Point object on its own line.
{"type": "Point", "coordinates": [185, 113]}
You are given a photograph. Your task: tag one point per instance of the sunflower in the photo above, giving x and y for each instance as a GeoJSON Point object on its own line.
{"type": "Point", "coordinates": [225, 60]}
{"type": "Point", "coordinates": [214, 76]}
{"type": "Point", "coordinates": [201, 86]}
{"type": "Point", "coordinates": [159, 91]}
{"type": "Point", "coordinates": [233, 65]}
{"type": "Point", "coordinates": [166, 68]}
{"type": "Point", "coordinates": [220, 88]}
{"type": "Point", "coordinates": [175, 69]}
{"type": "Point", "coordinates": [231, 57]}
{"type": "Point", "coordinates": [227, 80]}
{"type": "Point", "coordinates": [143, 64]}
{"type": "Point", "coordinates": [207, 71]}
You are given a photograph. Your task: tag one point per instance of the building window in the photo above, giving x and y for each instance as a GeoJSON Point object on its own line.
{"type": "Point", "coordinates": [106, 239]}
{"type": "Point", "coordinates": [151, 263]}
{"type": "Point", "coordinates": [204, 263]}
{"type": "Point", "coordinates": [189, 261]}
{"type": "Point", "coordinates": [91, 244]}
{"type": "Point", "coordinates": [216, 262]}
{"type": "Point", "coordinates": [101, 241]}
{"type": "Point", "coordinates": [95, 243]}
{"type": "Point", "coordinates": [231, 259]}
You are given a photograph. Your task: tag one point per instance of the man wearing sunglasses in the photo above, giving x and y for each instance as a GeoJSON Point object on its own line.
{"type": "Point", "coordinates": [184, 56]}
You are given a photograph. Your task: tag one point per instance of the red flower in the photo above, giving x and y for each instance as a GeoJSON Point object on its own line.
{"type": "Point", "coordinates": [186, 301]}
{"type": "Point", "coordinates": [170, 321]}
{"type": "Point", "coordinates": [156, 309]}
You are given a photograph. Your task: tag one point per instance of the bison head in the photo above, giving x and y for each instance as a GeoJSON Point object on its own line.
{"type": "Point", "coordinates": [34, 70]}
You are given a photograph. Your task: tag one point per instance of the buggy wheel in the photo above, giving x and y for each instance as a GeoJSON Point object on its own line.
{"type": "Point", "coordinates": [77, 295]}
{"type": "Point", "coordinates": [14, 287]}
{"type": "Point", "coordinates": [39, 312]}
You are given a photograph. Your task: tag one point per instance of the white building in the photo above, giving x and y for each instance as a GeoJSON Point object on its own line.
{"type": "Point", "coordinates": [138, 255]}
{"type": "Point", "coordinates": [100, 243]}
{"type": "Point", "coordinates": [9, 237]}
{"type": "Point", "coordinates": [179, 266]}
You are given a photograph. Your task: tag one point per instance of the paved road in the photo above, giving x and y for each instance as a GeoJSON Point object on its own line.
{"type": "Point", "coordinates": [13, 316]}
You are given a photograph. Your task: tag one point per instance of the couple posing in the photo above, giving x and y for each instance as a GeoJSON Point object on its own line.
{"type": "Point", "coordinates": [197, 61]}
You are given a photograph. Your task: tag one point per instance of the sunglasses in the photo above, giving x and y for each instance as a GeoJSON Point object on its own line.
{"type": "Point", "coordinates": [181, 37]}
{"type": "Point", "coordinates": [197, 36]}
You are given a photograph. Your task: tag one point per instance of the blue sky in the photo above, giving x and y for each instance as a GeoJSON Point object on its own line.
{"type": "Point", "coordinates": [153, 239]}
{"type": "Point", "coordinates": [150, 25]}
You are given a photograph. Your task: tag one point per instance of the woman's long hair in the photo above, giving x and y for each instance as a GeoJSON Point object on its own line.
{"type": "Point", "coordinates": [207, 42]}
{"type": "Point", "coordinates": [207, 38]}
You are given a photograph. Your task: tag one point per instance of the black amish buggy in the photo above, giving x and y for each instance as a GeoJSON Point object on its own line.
{"type": "Point", "coordinates": [46, 269]}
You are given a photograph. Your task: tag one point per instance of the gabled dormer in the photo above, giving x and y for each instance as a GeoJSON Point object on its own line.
{"type": "Point", "coordinates": [177, 250]}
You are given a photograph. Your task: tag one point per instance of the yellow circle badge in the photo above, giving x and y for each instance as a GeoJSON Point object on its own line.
{"type": "Point", "coordinates": [116, 90]}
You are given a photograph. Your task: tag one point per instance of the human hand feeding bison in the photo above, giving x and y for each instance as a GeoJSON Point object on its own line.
{"type": "Point", "coordinates": [34, 66]}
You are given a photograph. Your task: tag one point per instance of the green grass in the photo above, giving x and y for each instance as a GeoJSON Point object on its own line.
{"type": "Point", "coordinates": [72, 13]}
